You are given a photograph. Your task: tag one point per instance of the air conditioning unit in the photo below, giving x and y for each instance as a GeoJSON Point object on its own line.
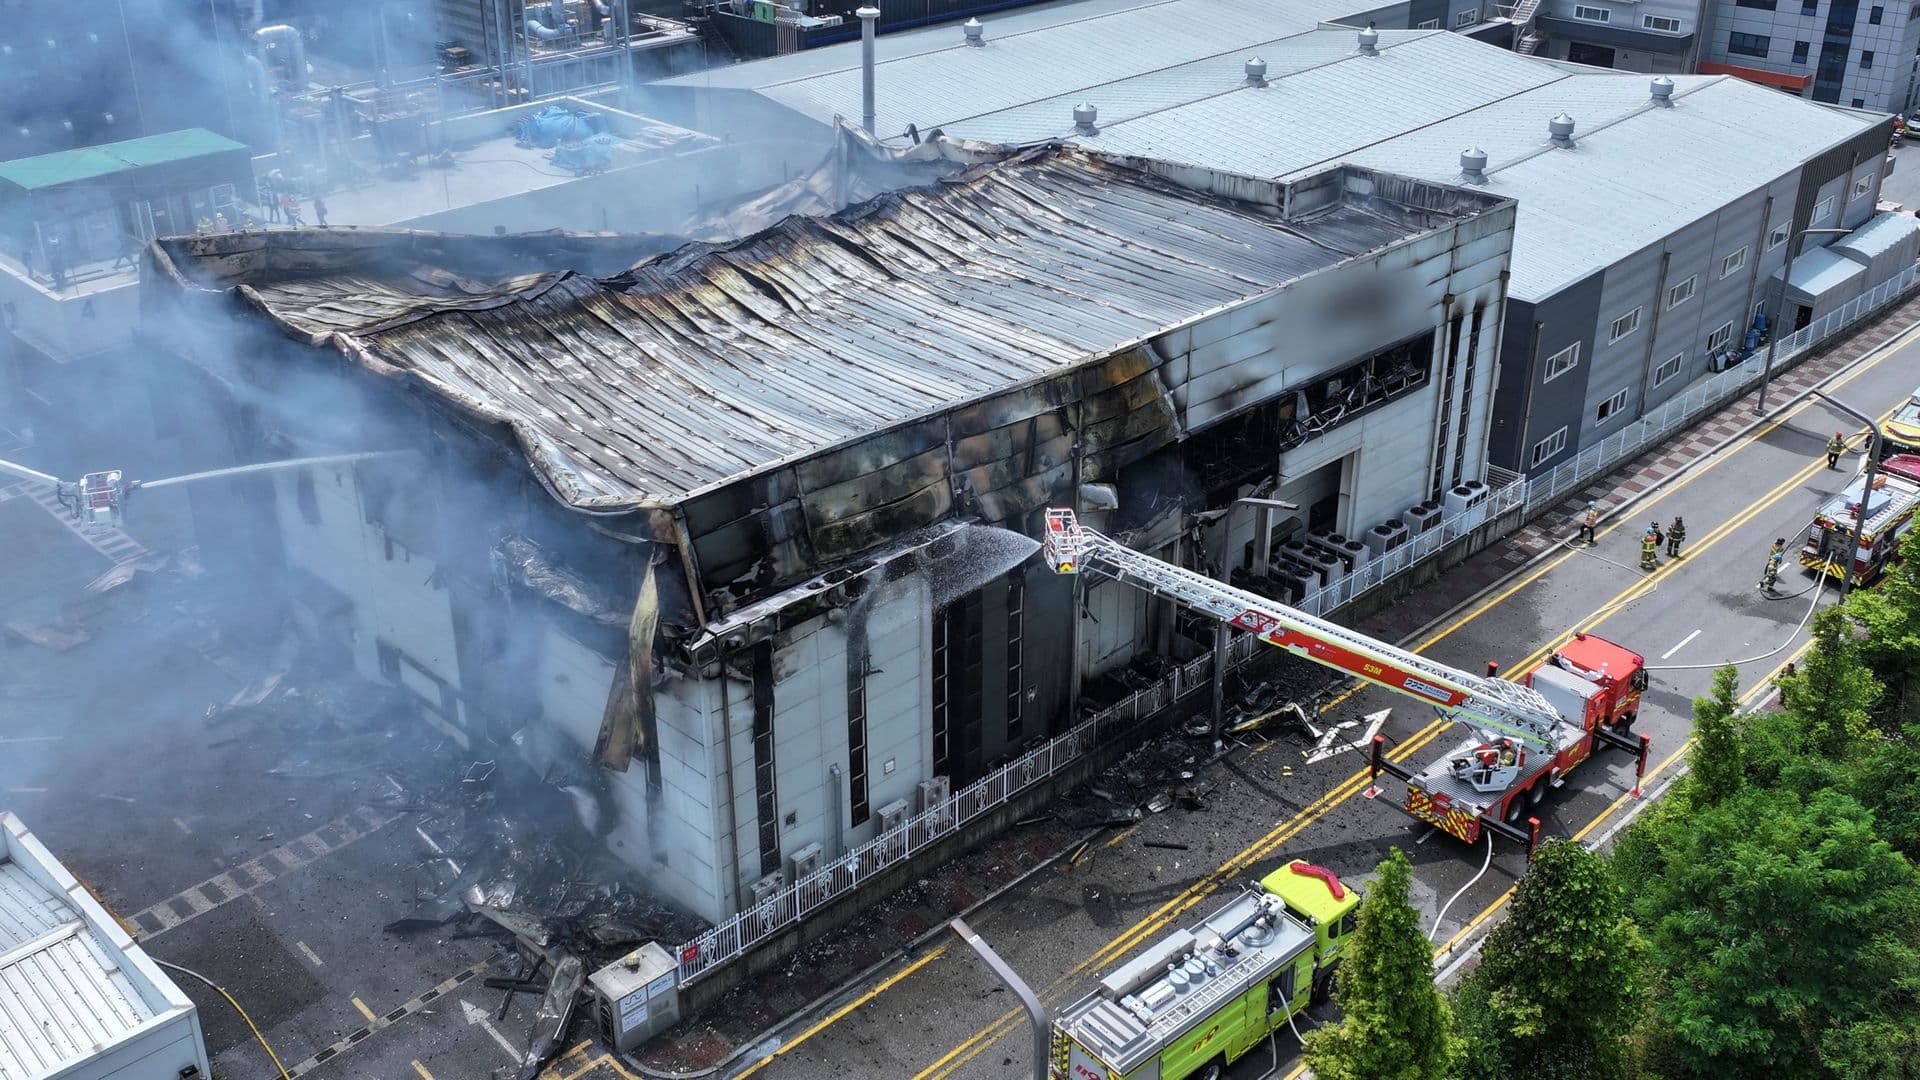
{"type": "Point", "coordinates": [1330, 567]}
{"type": "Point", "coordinates": [1384, 537]}
{"type": "Point", "coordinates": [801, 864]}
{"type": "Point", "coordinates": [1466, 503]}
{"type": "Point", "coordinates": [893, 815]}
{"type": "Point", "coordinates": [935, 792]}
{"type": "Point", "coordinates": [636, 997]}
{"type": "Point", "coordinates": [768, 887]}
{"type": "Point", "coordinates": [1423, 517]}
{"type": "Point", "coordinates": [1294, 581]}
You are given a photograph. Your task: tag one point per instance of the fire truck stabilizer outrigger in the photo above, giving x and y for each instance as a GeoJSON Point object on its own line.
{"type": "Point", "coordinates": [1203, 997]}
{"type": "Point", "coordinates": [1527, 735]}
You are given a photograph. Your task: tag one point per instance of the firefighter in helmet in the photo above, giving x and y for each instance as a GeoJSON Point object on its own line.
{"type": "Point", "coordinates": [1650, 542]}
{"type": "Point", "coordinates": [1835, 447]}
{"type": "Point", "coordinates": [1775, 556]}
{"type": "Point", "coordinates": [1676, 533]}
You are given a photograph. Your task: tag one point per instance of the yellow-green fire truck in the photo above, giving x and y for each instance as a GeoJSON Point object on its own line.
{"type": "Point", "coordinates": [1202, 997]}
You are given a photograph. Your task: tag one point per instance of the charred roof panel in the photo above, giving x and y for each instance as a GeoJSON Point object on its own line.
{"type": "Point", "coordinates": [712, 363]}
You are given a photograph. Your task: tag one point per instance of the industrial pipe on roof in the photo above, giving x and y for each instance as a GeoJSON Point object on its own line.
{"type": "Point", "coordinates": [868, 17]}
{"type": "Point", "coordinates": [541, 29]}
{"type": "Point", "coordinates": [280, 35]}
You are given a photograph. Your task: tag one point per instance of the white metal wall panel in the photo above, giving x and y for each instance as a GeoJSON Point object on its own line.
{"type": "Point", "coordinates": [27, 909]}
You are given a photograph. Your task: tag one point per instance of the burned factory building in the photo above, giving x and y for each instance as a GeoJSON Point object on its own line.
{"type": "Point", "coordinates": [736, 537]}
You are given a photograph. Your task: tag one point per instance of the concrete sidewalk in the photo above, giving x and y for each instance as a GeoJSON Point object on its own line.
{"type": "Point", "coordinates": [731, 1032]}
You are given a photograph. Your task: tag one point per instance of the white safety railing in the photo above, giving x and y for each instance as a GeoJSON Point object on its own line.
{"type": "Point", "coordinates": [793, 903]}
{"type": "Point", "coordinates": [1708, 394]}
{"type": "Point", "coordinates": [1504, 492]}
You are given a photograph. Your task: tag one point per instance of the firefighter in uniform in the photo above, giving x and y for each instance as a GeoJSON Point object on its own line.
{"type": "Point", "coordinates": [1588, 519]}
{"type": "Point", "coordinates": [1676, 533]}
{"type": "Point", "coordinates": [1775, 555]}
{"type": "Point", "coordinates": [1835, 447]}
{"type": "Point", "coordinates": [1649, 549]}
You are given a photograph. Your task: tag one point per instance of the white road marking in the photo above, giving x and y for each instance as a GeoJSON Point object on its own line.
{"type": "Point", "coordinates": [30, 738]}
{"type": "Point", "coordinates": [184, 827]}
{"type": "Point", "coordinates": [117, 798]}
{"type": "Point", "coordinates": [477, 1015]}
{"type": "Point", "coordinates": [1682, 645]}
{"type": "Point", "coordinates": [27, 791]}
{"type": "Point", "coordinates": [311, 956]}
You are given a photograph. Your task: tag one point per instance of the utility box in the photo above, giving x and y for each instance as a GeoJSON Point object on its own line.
{"type": "Point", "coordinates": [637, 996]}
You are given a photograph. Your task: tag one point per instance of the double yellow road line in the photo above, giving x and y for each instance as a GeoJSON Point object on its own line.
{"type": "Point", "coordinates": [960, 1055]}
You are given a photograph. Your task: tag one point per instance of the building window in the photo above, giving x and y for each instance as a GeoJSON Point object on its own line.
{"type": "Point", "coordinates": [1778, 236]}
{"type": "Point", "coordinates": [766, 804]}
{"type": "Point", "coordinates": [388, 658]}
{"type": "Point", "coordinates": [1873, 16]}
{"type": "Point", "coordinates": [1823, 208]}
{"type": "Point", "coordinates": [1624, 325]}
{"type": "Point", "coordinates": [1016, 679]}
{"type": "Point", "coordinates": [1866, 59]}
{"type": "Point", "coordinates": [1799, 52]}
{"type": "Point", "coordinates": [1859, 103]}
{"type": "Point", "coordinates": [1759, 5]}
{"type": "Point", "coordinates": [306, 497]}
{"type": "Point", "coordinates": [1719, 338]}
{"type": "Point", "coordinates": [1680, 294]}
{"type": "Point", "coordinates": [1592, 14]}
{"type": "Point", "coordinates": [1467, 17]}
{"type": "Point", "coordinates": [1862, 186]}
{"type": "Point", "coordinates": [1810, 7]}
{"type": "Point", "coordinates": [1562, 362]}
{"type": "Point", "coordinates": [1748, 44]}
{"type": "Point", "coordinates": [1732, 263]}
{"type": "Point", "coordinates": [1669, 369]}
{"type": "Point", "coordinates": [1430, 24]}
{"type": "Point", "coordinates": [1610, 406]}
{"type": "Point", "coordinates": [1663, 23]}
{"type": "Point", "coordinates": [1548, 447]}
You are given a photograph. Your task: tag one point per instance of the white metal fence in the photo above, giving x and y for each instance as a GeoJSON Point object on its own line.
{"type": "Point", "coordinates": [1682, 411]}
{"type": "Point", "coordinates": [796, 901]}
{"type": "Point", "coordinates": [1506, 491]}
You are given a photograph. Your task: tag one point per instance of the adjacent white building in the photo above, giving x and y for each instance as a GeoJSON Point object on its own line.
{"type": "Point", "coordinates": [78, 999]}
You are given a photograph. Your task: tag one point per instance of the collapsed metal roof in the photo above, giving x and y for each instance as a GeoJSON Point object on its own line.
{"type": "Point", "coordinates": [714, 362]}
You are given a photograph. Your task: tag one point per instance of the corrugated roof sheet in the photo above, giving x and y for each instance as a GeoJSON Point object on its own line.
{"type": "Point", "coordinates": [88, 162]}
{"type": "Point", "coordinates": [1168, 82]}
{"type": "Point", "coordinates": [1822, 270]}
{"type": "Point", "coordinates": [710, 363]}
{"type": "Point", "coordinates": [61, 993]}
{"type": "Point", "coordinates": [1882, 233]}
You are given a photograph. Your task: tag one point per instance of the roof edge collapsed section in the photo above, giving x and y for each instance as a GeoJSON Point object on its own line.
{"type": "Point", "coordinates": [701, 367]}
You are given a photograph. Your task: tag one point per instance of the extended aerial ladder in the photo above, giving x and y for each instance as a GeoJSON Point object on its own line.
{"type": "Point", "coordinates": [98, 500]}
{"type": "Point", "coordinates": [1516, 720]}
{"type": "Point", "coordinates": [1494, 706]}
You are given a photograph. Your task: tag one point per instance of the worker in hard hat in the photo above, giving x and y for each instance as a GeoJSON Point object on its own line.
{"type": "Point", "coordinates": [1676, 533]}
{"type": "Point", "coordinates": [1589, 518]}
{"type": "Point", "coordinates": [1649, 549]}
{"type": "Point", "coordinates": [1835, 447]}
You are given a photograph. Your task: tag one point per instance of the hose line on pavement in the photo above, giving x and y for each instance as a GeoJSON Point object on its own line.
{"type": "Point", "coordinates": [1438, 919]}
{"type": "Point", "coordinates": [251, 1026]}
{"type": "Point", "coordinates": [1804, 619]}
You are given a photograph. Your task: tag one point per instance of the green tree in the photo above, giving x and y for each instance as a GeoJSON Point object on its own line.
{"type": "Point", "coordinates": [1558, 988]}
{"type": "Point", "coordinates": [1890, 614]}
{"type": "Point", "coordinates": [1783, 931]}
{"type": "Point", "coordinates": [1717, 762]}
{"type": "Point", "coordinates": [1833, 693]}
{"type": "Point", "coordinates": [1394, 1024]}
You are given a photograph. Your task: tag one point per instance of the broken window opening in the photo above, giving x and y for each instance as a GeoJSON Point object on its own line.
{"type": "Point", "coordinates": [767, 810]}
{"type": "Point", "coordinates": [1016, 682]}
{"type": "Point", "coordinates": [857, 726]}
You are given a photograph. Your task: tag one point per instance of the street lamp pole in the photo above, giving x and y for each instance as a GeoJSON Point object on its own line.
{"type": "Point", "coordinates": [1786, 282]}
{"type": "Point", "coordinates": [1866, 486]}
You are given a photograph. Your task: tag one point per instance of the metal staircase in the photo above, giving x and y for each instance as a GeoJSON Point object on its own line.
{"type": "Point", "coordinates": [1526, 38]}
{"type": "Point", "coordinates": [1489, 703]}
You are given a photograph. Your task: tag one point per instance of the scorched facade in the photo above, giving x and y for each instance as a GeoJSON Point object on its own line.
{"type": "Point", "coordinates": [748, 525]}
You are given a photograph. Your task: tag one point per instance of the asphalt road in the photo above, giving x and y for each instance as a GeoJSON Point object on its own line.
{"type": "Point", "coordinates": [942, 1014]}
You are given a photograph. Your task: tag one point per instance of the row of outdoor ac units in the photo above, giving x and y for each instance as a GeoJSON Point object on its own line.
{"type": "Point", "coordinates": [1466, 501]}
{"type": "Point", "coordinates": [803, 863]}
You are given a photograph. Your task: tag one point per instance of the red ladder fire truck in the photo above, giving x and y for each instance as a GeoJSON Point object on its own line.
{"type": "Point", "coordinates": [1527, 736]}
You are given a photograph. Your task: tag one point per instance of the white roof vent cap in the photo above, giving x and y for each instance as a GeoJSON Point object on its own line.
{"type": "Point", "coordinates": [976, 34]}
{"type": "Point", "coordinates": [1663, 92]}
{"type": "Point", "coordinates": [1473, 164]}
{"type": "Point", "coordinates": [1084, 116]}
{"type": "Point", "coordinates": [1257, 71]}
{"type": "Point", "coordinates": [1370, 42]}
{"type": "Point", "coordinates": [1561, 128]}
